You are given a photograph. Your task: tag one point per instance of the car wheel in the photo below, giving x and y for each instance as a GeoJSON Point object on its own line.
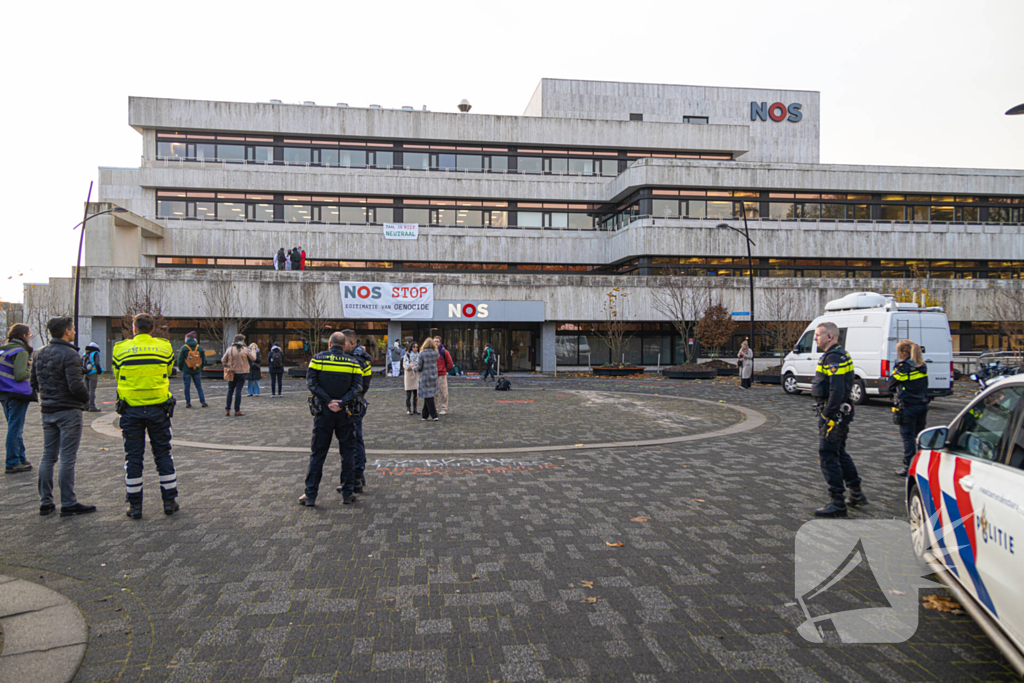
{"type": "Point", "coordinates": [857, 393]}
{"type": "Point", "coordinates": [918, 518]}
{"type": "Point", "coordinates": [789, 384]}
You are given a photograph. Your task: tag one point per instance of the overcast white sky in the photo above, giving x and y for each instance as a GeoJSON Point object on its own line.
{"type": "Point", "coordinates": [904, 83]}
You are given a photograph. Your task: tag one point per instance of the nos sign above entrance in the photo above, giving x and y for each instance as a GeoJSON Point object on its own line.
{"type": "Point", "coordinates": [489, 311]}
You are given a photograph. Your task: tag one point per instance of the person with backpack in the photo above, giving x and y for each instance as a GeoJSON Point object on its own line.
{"type": "Point", "coordinates": [275, 362]}
{"type": "Point", "coordinates": [255, 371]}
{"type": "Point", "coordinates": [16, 393]}
{"type": "Point", "coordinates": [489, 363]}
{"type": "Point", "coordinates": [279, 258]}
{"type": "Point", "coordinates": [395, 355]}
{"type": "Point", "coordinates": [191, 361]}
{"type": "Point", "coordinates": [91, 368]}
{"type": "Point", "coordinates": [296, 259]}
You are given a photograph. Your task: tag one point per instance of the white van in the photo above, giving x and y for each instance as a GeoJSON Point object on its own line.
{"type": "Point", "coordinates": [870, 325]}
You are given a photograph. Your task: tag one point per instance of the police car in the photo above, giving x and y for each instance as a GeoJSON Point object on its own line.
{"type": "Point", "coordinates": [965, 503]}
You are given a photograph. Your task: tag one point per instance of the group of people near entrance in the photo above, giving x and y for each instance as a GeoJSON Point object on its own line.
{"type": "Point", "coordinates": [294, 259]}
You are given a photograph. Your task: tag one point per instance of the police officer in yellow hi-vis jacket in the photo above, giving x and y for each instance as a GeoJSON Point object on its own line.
{"type": "Point", "coordinates": [142, 366]}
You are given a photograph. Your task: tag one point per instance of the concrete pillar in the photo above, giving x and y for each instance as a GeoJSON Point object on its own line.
{"type": "Point", "coordinates": [229, 333]}
{"type": "Point", "coordinates": [547, 347]}
{"type": "Point", "coordinates": [395, 333]}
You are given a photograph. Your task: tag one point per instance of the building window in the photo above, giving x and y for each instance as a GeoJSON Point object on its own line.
{"type": "Point", "coordinates": [231, 152]}
{"type": "Point", "coordinates": [165, 209]}
{"type": "Point", "coordinates": [469, 162]}
{"type": "Point", "coordinates": [298, 213]}
{"type": "Point", "coordinates": [170, 150]}
{"type": "Point", "coordinates": [636, 117]}
{"type": "Point", "coordinates": [695, 119]}
{"type": "Point", "coordinates": [298, 156]}
{"type": "Point", "coordinates": [531, 165]}
{"type": "Point", "coordinates": [530, 219]}
{"type": "Point", "coordinates": [419, 161]}
{"type": "Point", "coordinates": [665, 208]}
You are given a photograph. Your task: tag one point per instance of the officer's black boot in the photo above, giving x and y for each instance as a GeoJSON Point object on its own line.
{"type": "Point", "coordinates": [171, 506]}
{"type": "Point", "coordinates": [837, 508]}
{"type": "Point", "coordinates": [134, 509]}
{"type": "Point", "coordinates": [359, 484]}
{"type": "Point", "coordinates": [856, 497]}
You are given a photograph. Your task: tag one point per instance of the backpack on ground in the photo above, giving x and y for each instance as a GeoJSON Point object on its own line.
{"type": "Point", "coordinates": [276, 359]}
{"type": "Point", "coordinates": [503, 385]}
{"type": "Point", "coordinates": [193, 361]}
{"type": "Point", "coordinates": [87, 365]}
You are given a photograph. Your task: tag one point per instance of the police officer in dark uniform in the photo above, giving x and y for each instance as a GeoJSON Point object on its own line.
{"type": "Point", "coordinates": [360, 354]}
{"type": "Point", "coordinates": [909, 387]}
{"type": "Point", "coordinates": [335, 380]}
{"type": "Point", "coordinates": [142, 366]}
{"type": "Point", "coordinates": [833, 382]}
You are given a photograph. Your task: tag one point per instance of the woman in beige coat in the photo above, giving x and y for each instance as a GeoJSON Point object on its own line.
{"type": "Point", "coordinates": [236, 359]}
{"type": "Point", "coordinates": [746, 361]}
{"type": "Point", "coordinates": [412, 377]}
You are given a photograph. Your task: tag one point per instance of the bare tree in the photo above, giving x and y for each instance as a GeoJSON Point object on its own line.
{"type": "Point", "coordinates": [1006, 307]}
{"type": "Point", "coordinates": [683, 301]}
{"type": "Point", "coordinates": [43, 302]}
{"type": "Point", "coordinates": [314, 310]}
{"type": "Point", "coordinates": [221, 308]}
{"type": "Point", "coordinates": [615, 329]}
{"type": "Point", "coordinates": [142, 295]}
{"type": "Point", "coordinates": [779, 308]}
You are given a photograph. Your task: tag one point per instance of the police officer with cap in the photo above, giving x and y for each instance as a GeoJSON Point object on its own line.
{"type": "Point", "coordinates": [833, 382]}
{"type": "Point", "coordinates": [142, 366]}
{"type": "Point", "coordinates": [334, 379]}
{"type": "Point", "coordinates": [360, 354]}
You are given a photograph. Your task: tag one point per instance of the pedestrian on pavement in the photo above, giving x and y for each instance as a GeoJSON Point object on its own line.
{"type": "Point", "coordinates": [302, 258]}
{"type": "Point", "coordinates": [255, 371]}
{"type": "Point", "coordinates": [833, 382]}
{"type": "Point", "coordinates": [275, 363]}
{"type": "Point", "coordinates": [236, 371]}
{"type": "Point", "coordinates": [412, 377]}
{"type": "Point", "coordinates": [488, 363]}
{"type": "Point", "coordinates": [427, 367]}
{"type": "Point", "coordinates": [361, 355]}
{"type": "Point", "coordinates": [57, 378]}
{"type": "Point", "coordinates": [191, 361]}
{"type": "Point", "coordinates": [279, 258]}
{"type": "Point", "coordinates": [142, 366]}
{"type": "Point", "coordinates": [296, 259]}
{"type": "Point", "coordinates": [91, 369]}
{"type": "Point", "coordinates": [288, 260]}
{"type": "Point", "coordinates": [395, 354]}
{"type": "Point", "coordinates": [745, 360]}
{"type": "Point", "coordinates": [16, 393]}
{"type": "Point", "coordinates": [444, 364]}
{"type": "Point", "coordinates": [909, 385]}
{"type": "Point", "coordinates": [334, 379]}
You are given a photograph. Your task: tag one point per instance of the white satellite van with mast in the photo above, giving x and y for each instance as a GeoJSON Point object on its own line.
{"type": "Point", "coordinates": [870, 325]}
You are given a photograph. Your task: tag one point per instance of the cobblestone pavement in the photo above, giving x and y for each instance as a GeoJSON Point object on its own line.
{"type": "Point", "coordinates": [476, 569]}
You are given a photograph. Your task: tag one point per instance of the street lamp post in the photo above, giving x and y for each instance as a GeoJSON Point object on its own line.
{"type": "Point", "coordinates": [81, 240]}
{"type": "Point", "coordinates": [750, 266]}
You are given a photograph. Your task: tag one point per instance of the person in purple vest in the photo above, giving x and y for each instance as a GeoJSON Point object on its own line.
{"type": "Point", "coordinates": [15, 394]}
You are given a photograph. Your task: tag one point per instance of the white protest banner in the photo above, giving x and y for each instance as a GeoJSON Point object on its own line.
{"type": "Point", "coordinates": [385, 300]}
{"type": "Point", "coordinates": [401, 231]}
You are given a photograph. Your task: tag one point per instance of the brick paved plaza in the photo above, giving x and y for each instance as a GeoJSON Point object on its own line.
{"type": "Point", "coordinates": [481, 550]}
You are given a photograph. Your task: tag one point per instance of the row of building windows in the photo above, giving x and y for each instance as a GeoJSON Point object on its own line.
{"type": "Point", "coordinates": [232, 148]}
{"type": "Point", "coordinates": [692, 266]}
{"type": "Point", "coordinates": [711, 204]}
{"type": "Point", "coordinates": [733, 204]}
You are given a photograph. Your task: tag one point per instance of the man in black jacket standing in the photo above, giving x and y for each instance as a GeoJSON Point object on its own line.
{"type": "Point", "coordinates": [335, 379]}
{"type": "Point", "coordinates": [57, 377]}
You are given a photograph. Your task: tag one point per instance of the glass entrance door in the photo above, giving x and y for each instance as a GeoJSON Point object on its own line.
{"type": "Point", "coordinates": [520, 351]}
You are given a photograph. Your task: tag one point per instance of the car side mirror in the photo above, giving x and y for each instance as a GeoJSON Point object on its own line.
{"type": "Point", "coordinates": [932, 439]}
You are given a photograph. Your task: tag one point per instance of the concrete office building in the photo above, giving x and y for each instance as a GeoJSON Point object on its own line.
{"type": "Point", "coordinates": [597, 185]}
